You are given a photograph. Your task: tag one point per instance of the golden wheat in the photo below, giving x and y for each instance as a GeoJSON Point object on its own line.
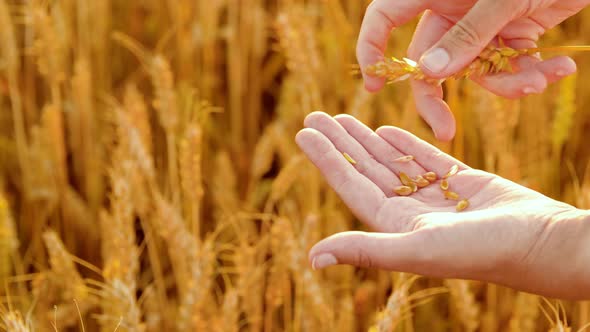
{"type": "Point", "coordinates": [148, 169]}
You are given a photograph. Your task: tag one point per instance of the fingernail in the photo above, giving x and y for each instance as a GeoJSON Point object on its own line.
{"type": "Point", "coordinates": [322, 261]}
{"type": "Point", "coordinates": [529, 90]}
{"type": "Point", "coordinates": [561, 73]}
{"type": "Point", "coordinates": [436, 60]}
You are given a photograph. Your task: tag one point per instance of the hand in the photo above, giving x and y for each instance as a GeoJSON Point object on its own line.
{"type": "Point", "coordinates": [509, 235]}
{"type": "Point", "coordinates": [452, 33]}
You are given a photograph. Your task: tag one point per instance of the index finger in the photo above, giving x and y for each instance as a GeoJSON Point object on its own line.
{"type": "Point", "coordinates": [381, 17]}
{"type": "Point", "coordinates": [358, 192]}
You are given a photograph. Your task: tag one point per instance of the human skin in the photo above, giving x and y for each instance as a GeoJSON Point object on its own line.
{"type": "Point", "coordinates": [509, 235]}
{"type": "Point", "coordinates": [452, 33]}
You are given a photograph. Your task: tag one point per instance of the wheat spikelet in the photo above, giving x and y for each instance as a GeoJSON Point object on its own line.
{"type": "Point", "coordinates": [10, 59]}
{"type": "Point", "coordinates": [400, 303]}
{"type": "Point", "coordinates": [559, 321]}
{"type": "Point", "coordinates": [138, 153]}
{"type": "Point", "coordinates": [79, 217]}
{"type": "Point", "coordinates": [9, 242]}
{"type": "Point", "coordinates": [192, 263]}
{"type": "Point", "coordinates": [391, 316]}
{"type": "Point", "coordinates": [564, 113]}
{"type": "Point", "coordinates": [492, 60]}
{"type": "Point", "coordinates": [13, 321]}
{"type": "Point", "coordinates": [224, 185]}
{"type": "Point", "coordinates": [49, 47]}
{"type": "Point", "coordinates": [125, 314]}
{"type": "Point", "coordinates": [119, 249]}
{"type": "Point", "coordinates": [317, 296]}
{"type": "Point", "coordinates": [53, 130]}
{"type": "Point", "coordinates": [299, 46]}
{"type": "Point", "coordinates": [463, 301]}
{"type": "Point", "coordinates": [165, 102]}
{"type": "Point", "coordinates": [498, 119]}
{"type": "Point", "coordinates": [230, 311]}
{"type": "Point", "coordinates": [162, 78]}
{"type": "Point", "coordinates": [345, 320]}
{"type": "Point", "coordinates": [9, 53]}
{"type": "Point", "coordinates": [151, 309]}
{"type": "Point", "coordinates": [66, 278]}
{"type": "Point", "coordinates": [286, 178]}
{"type": "Point", "coordinates": [278, 288]}
{"type": "Point", "coordinates": [191, 180]}
{"type": "Point", "coordinates": [263, 154]}
{"type": "Point", "coordinates": [526, 312]}
{"type": "Point", "coordinates": [250, 282]}
{"type": "Point", "coordinates": [307, 284]}
{"type": "Point", "coordinates": [134, 105]}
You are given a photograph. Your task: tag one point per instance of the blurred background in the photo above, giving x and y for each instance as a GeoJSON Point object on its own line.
{"type": "Point", "coordinates": [150, 180]}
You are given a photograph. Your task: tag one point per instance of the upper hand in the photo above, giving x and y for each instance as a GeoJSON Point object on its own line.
{"type": "Point", "coordinates": [452, 33]}
{"type": "Point", "coordinates": [510, 235]}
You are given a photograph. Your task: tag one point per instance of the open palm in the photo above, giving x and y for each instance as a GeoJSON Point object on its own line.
{"type": "Point", "coordinates": [509, 234]}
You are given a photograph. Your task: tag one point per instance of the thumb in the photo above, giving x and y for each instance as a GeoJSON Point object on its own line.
{"type": "Point", "coordinates": [408, 252]}
{"type": "Point", "coordinates": [468, 37]}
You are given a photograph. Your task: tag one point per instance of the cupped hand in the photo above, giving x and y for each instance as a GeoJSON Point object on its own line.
{"type": "Point", "coordinates": [452, 33]}
{"type": "Point", "coordinates": [509, 234]}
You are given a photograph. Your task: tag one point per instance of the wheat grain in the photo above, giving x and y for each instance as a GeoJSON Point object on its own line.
{"type": "Point", "coordinates": [421, 182]}
{"type": "Point", "coordinates": [451, 195]}
{"type": "Point", "coordinates": [430, 176]}
{"type": "Point", "coordinates": [405, 179]}
{"type": "Point", "coordinates": [403, 190]}
{"type": "Point", "coordinates": [462, 205]}
{"type": "Point", "coordinates": [349, 158]}
{"type": "Point", "coordinates": [404, 159]}
{"type": "Point", "coordinates": [454, 169]}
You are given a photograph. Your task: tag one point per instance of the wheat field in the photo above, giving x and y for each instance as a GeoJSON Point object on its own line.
{"type": "Point", "coordinates": [150, 180]}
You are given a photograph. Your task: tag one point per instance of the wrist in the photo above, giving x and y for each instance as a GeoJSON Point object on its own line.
{"type": "Point", "coordinates": [577, 237]}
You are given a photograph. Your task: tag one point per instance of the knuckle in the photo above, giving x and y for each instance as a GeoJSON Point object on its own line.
{"type": "Point", "coordinates": [385, 17]}
{"type": "Point", "coordinates": [464, 33]}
